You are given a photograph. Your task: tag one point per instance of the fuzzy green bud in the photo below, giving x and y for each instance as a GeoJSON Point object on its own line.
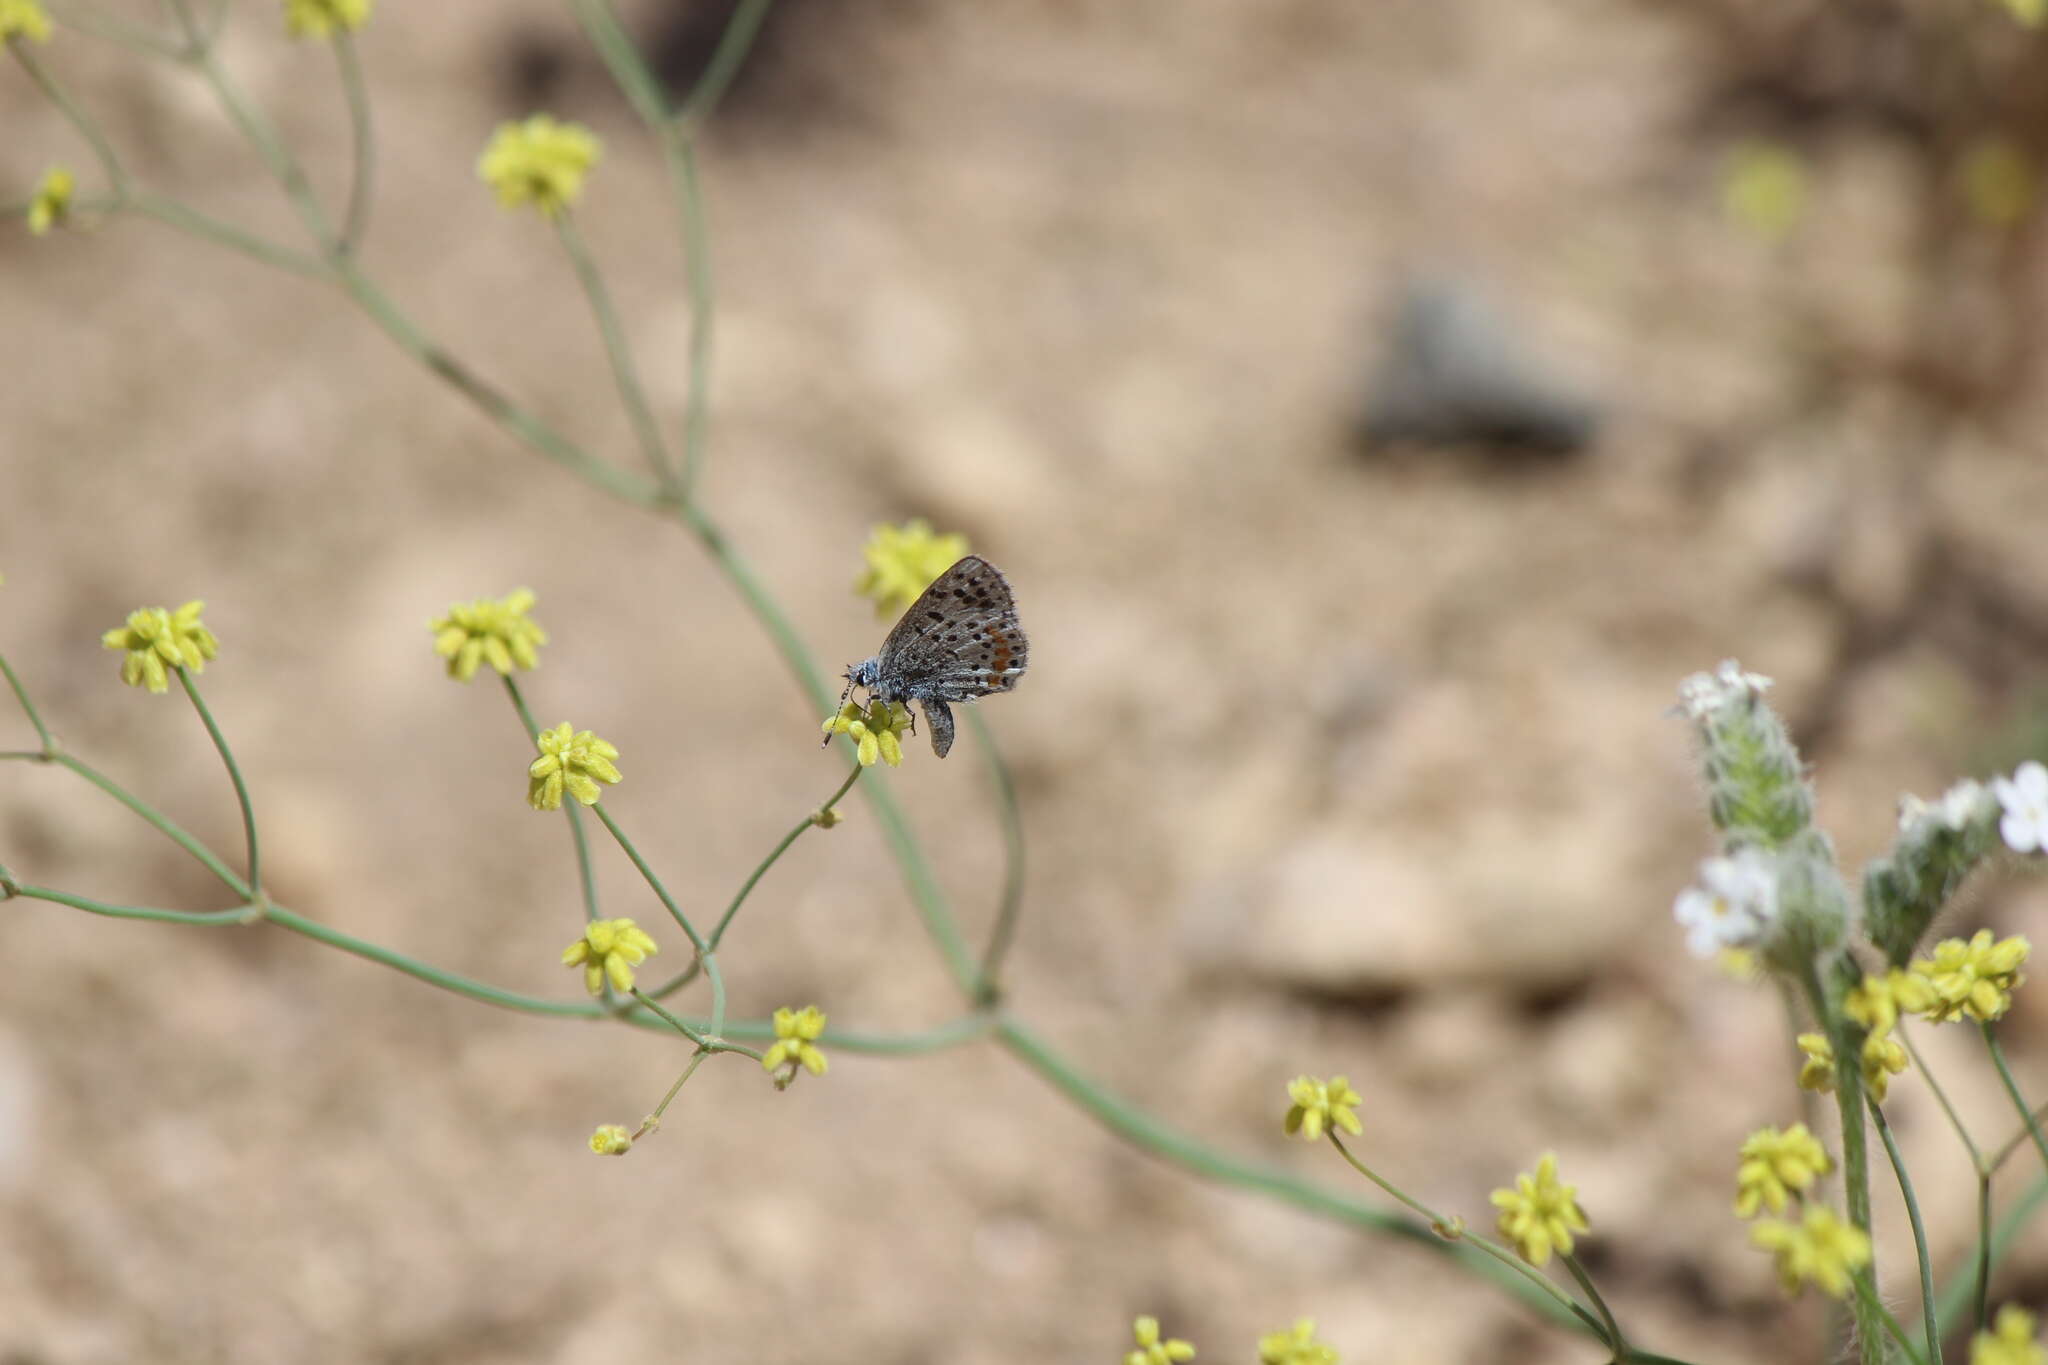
{"type": "Point", "coordinates": [1757, 793]}
{"type": "Point", "coordinates": [1940, 843]}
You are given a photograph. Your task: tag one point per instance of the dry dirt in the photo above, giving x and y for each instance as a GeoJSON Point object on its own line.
{"type": "Point", "coordinates": [1329, 762]}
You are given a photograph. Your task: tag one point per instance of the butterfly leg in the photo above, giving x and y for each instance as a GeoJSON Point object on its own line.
{"type": "Point", "coordinates": [939, 717]}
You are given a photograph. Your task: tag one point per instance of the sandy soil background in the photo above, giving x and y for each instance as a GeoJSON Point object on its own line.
{"type": "Point", "coordinates": [1330, 760]}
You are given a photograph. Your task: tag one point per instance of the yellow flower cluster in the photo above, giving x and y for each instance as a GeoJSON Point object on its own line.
{"type": "Point", "coordinates": [2009, 1342]}
{"type": "Point", "coordinates": [1976, 978]}
{"type": "Point", "coordinates": [498, 633]}
{"type": "Point", "coordinates": [572, 761]}
{"type": "Point", "coordinates": [540, 162]}
{"type": "Point", "coordinates": [1297, 1346]}
{"type": "Point", "coordinates": [609, 951]}
{"type": "Point", "coordinates": [612, 1139]}
{"type": "Point", "coordinates": [325, 18]}
{"type": "Point", "coordinates": [1883, 1058]}
{"type": "Point", "coordinates": [24, 19]}
{"type": "Point", "coordinates": [1540, 1214]}
{"type": "Point", "coordinates": [1776, 1165]}
{"type": "Point", "coordinates": [1321, 1106]}
{"type": "Point", "coordinates": [1820, 1250]}
{"type": "Point", "coordinates": [796, 1044]}
{"type": "Point", "coordinates": [156, 641]}
{"type": "Point", "coordinates": [1154, 1349]}
{"type": "Point", "coordinates": [903, 561]}
{"type": "Point", "coordinates": [51, 206]}
{"type": "Point", "coordinates": [876, 731]}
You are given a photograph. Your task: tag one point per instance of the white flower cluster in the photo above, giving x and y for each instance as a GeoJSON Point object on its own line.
{"type": "Point", "coordinates": [2024, 799]}
{"type": "Point", "coordinates": [1955, 810]}
{"type": "Point", "coordinates": [1734, 902]}
{"type": "Point", "coordinates": [1702, 694]}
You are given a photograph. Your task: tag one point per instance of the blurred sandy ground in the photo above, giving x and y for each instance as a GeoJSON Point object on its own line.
{"type": "Point", "coordinates": [1329, 763]}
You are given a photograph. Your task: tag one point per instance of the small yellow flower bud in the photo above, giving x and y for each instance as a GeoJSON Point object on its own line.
{"type": "Point", "coordinates": [611, 1140]}
{"type": "Point", "coordinates": [572, 761]}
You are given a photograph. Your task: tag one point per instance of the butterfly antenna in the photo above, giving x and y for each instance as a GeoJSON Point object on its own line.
{"type": "Point", "coordinates": [842, 703]}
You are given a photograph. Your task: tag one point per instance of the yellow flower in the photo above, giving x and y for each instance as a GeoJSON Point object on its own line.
{"type": "Point", "coordinates": [2029, 13]}
{"type": "Point", "coordinates": [796, 1044]}
{"type": "Point", "coordinates": [157, 641]}
{"type": "Point", "coordinates": [1776, 1165]}
{"type": "Point", "coordinates": [2010, 1342]}
{"type": "Point", "coordinates": [52, 204]}
{"type": "Point", "coordinates": [609, 951]}
{"type": "Point", "coordinates": [875, 732]}
{"type": "Point", "coordinates": [1883, 1058]}
{"type": "Point", "coordinates": [612, 1139]}
{"type": "Point", "coordinates": [1999, 183]}
{"type": "Point", "coordinates": [24, 19]}
{"type": "Point", "coordinates": [1820, 1250]}
{"type": "Point", "coordinates": [539, 162]}
{"type": "Point", "coordinates": [1763, 187]}
{"type": "Point", "coordinates": [571, 760]}
{"type": "Point", "coordinates": [1320, 1105]}
{"type": "Point", "coordinates": [1976, 978]}
{"type": "Point", "coordinates": [1296, 1347]}
{"type": "Point", "coordinates": [1540, 1213]}
{"type": "Point", "coordinates": [323, 18]}
{"type": "Point", "coordinates": [1151, 1350]}
{"type": "Point", "coordinates": [1879, 1001]}
{"type": "Point", "coordinates": [903, 561]}
{"type": "Point", "coordinates": [499, 633]}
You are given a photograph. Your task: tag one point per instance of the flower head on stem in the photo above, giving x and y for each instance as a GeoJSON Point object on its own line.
{"type": "Point", "coordinates": [156, 641]}
{"type": "Point", "coordinates": [572, 761]}
{"type": "Point", "coordinates": [51, 206]}
{"type": "Point", "coordinates": [1153, 1349]}
{"type": "Point", "coordinates": [1776, 1165]}
{"type": "Point", "coordinates": [325, 18]}
{"type": "Point", "coordinates": [1821, 1250]}
{"type": "Point", "coordinates": [1296, 1346]}
{"type": "Point", "coordinates": [1321, 1106]}
{"type": "Point", "coordinates": [609, 951]}
{"type": "Point", "coordinates": [903, 561]}
{"type": "Point", "coordinates": [612, 1139]}
{"type": "Point", "coordinates": [2010, 1340]}
{"type": "Point", "coordinates": [24, 19]}
{"type": "Point", "coordinates": [796, 1044]}
{"type": "Point", "coordinates": [498, 633]}
{"type": "Point", "coordinates": [1540, 1214]}
{"type": "Point", "coordinates": [540, 162]}
{"type": "Point", "coordinates": [1976, 977]}
{"type": "Point", "coordinates": [876, 731]}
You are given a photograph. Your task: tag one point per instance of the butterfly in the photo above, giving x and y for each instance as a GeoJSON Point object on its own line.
{"type": "Point", "coordinates": [958, 642]}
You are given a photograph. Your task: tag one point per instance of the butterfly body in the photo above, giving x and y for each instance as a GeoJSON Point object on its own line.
{"type": "Point", "coordinates": [960, 641]}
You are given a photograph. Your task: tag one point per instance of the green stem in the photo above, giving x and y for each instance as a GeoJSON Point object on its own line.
{"type": "Point", "coordinates": [362, 141]}
{"type": "Point", "coordinates": [394, 323]}
{"type": "Point", "coordinates": [988, 979]}
{"type": "Point", "coordinates": [1961, 1289]}
{"type": "Point", "coordinates": [1609, 1326]}
{"type": "Point", "coordinates": [701, 1040]}
{"type": "Point", "coordinates": [433, 976]}
{"type": "Point", "coordinates": [131, 36]}
{"type": "Point", "coordinates": [1955, 1121]}
{"type": "Point", "coordinates": [200, 225]}
{"type": "Point", "coordinates": [586, 874]}
{"type": "Point", "coordinates": [29, 709]}
{"type": "Point", "coordinates": [110, 164]}
{"type": "Point", "coordinates": [618, 352]}
{"type": "Point", "coordinates": [1848, 1046]}
{"type": "Point", "coordinates": [256, 129]}
{"type": "Point", "coordinates": [227, 756]}
{"type": "Point", "coordinates": [1927, 1304]}
{"type": "Point", "coordinates": [717, 979]}
{"type": "Point", "coordinates": [238, 915]}
{"type": "Point", "coordinates": [774, 854]}
{"type": "Point", "coordinates": [1866, 1296]}
{"type": "Point", "coordinates": [2012, 1089]}
{"type": "Point", "coordinates": [1140, 1128]}
{"type": "Point", "coordinates": [696, 1060]}
{"type": "Point", "coordinates": [725, 63]}
{"type": "Point", "coordinates": [648, 875]}
{"type": "Point", "coordinates": [162, 823]}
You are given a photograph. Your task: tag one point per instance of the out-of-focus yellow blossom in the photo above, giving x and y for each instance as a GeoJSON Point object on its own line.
{"type": "Point", "coordinates": [1819, 1250]}
{"type": "Point", "coordinates": [1321, 1106]}
{"type": "Point", "coordinates": [612, 1139]}
{"type": "Point", "coordinates": [156, 641]}
{"type": "Point", "coordinates": [1540, 1214]}
{"type": "Point", "coordinates": [1883, 1058]}
{"type": "Point", "coordinates": [903, 561]}
{"type": "Point", "coordinates": [24, 19]}
{"type": "Point", "coordinates": [609, 951]}
{"type": "Point", "coordinates": [51, 206]}
{"type": "Point", "coordinates": [572, 761]}
{"type": "Point", "coordinates": [1296, 1346]}
{"type": "Point", "coordinates": [1976, 978]}
{"type": "Point", "coordinates": [498, 633]}
{"type": "Point", "coordinates": [1763, 187]}
{"type": "Point", "coordinates": [2010, 1340]}
{"type": "Point", "coordinates": [325, 18]}
{"type": "Point", "coordinates": [1155, 1350]}
{"type": "Point", "coordinates": [540, 162]}
{"type": "Point", "coordinates": [1776, 1165]}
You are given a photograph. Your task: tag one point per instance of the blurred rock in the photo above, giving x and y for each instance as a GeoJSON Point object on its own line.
{"type": "Point", "coordinates": [1453, 375]}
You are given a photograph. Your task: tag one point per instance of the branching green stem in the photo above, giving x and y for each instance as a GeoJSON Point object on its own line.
{"type": "Point", "coordinates": [1927, 1302]}
{"type": "Point", "coordinates": [618, 352]}
{"type": "Point", "coordinates": [227, 756]}
{"type": "Point", "coordinates": [363, 145]}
